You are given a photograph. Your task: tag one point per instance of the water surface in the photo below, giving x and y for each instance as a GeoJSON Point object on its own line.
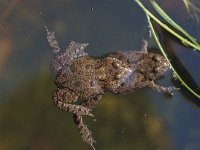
{"type": "Point", "coordinates": [142, 120]}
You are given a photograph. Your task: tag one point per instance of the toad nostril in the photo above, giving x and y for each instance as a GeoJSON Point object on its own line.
{"type": "Point", "coordinates": [116, 65]}
{"type": "Point", "coordinates": [156, 58]}
{"type": "Point", "coordinates": [157, 69]}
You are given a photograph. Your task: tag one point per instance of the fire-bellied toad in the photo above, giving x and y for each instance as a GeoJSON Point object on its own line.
{"type": "Point", "coordinates": [81, 76]}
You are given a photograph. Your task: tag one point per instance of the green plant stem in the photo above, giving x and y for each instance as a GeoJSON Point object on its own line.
{"type": "Point", "coordinates": [185, 41]}
{"type": "Point", "coordinates": [174, 71]}
{"type": "Point", "coordinates": [171, 22]}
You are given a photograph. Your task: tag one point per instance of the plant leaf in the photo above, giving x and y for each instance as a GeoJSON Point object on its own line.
{"type": "Point", "coordinates": [191, 42]}
{"type": "Point", "coordinates": [171, 22]}
{"type": "Point", "coordinates": [181, 38]}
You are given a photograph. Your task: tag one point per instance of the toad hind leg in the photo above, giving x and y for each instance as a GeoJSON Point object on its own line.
{"type": "Point", "coordinates": [85, 133]}
{"type": "Point", "coordinates": [64, 99]}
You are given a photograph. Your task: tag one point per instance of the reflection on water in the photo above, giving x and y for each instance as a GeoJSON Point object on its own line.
{"type": "Point", "coordinates": [28, 118]}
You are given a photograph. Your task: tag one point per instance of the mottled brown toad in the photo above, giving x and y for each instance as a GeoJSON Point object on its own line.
{"type": "Point", "coordinates": [80, 76]}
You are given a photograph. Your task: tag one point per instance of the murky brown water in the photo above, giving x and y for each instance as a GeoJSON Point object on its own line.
{"type": "Point", "coordinates": [28, 118]}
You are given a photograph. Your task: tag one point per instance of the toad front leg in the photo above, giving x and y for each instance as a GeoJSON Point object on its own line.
{"type": "Point", "coordinates": [145, 41]}
{"type": "Point", "coordinates": [159, 88]}
{"type": "Point", "coordinates": [64, 99]}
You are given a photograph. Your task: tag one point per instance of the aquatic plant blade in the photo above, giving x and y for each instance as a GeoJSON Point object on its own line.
{"type": "Point", "coordinates": [184, 40]}
{"type": "Point", "coordinates": [172, 23]}
{"type": "Point", "coordinates": [150, 15]}
{"type": "Point", "coordinates": [179, 77]}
